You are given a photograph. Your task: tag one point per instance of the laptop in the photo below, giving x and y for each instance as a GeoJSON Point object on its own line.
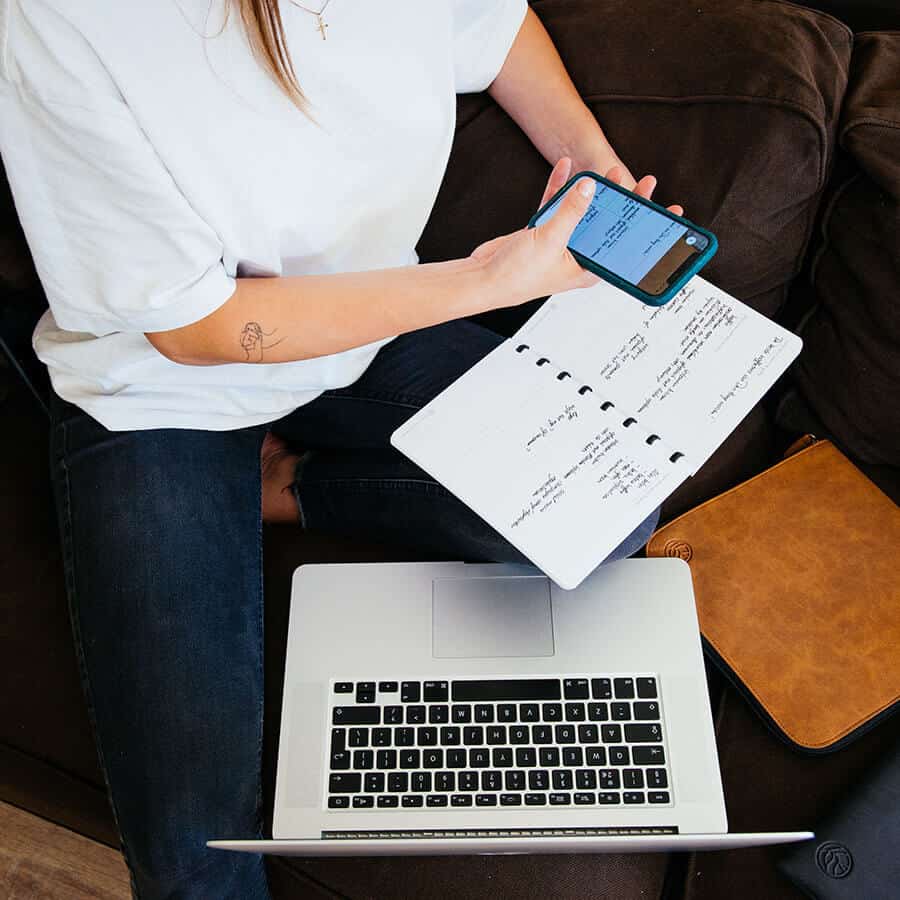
{"type": "Point", "coordinates": [448, 708]}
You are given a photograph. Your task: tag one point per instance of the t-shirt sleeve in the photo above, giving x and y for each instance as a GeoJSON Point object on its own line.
{"type": "Point", "coordinates": [116, 244]}
{"type": "Point", "coordinates": [483, 32]}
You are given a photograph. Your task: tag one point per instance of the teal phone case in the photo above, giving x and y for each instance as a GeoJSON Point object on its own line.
{"type": "Point", "coordinates": [650, 299]}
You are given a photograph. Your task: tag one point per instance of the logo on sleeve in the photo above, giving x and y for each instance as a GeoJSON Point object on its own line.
{"type": "Point", "coordinates": [834, 859]}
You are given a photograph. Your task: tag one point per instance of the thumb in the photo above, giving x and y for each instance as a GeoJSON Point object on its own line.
{"type": "Point", "coordinates": [569, 212]}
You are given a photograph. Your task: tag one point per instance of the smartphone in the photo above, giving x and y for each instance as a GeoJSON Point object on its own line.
{"type": "Point", "coordinates": [633, 243]}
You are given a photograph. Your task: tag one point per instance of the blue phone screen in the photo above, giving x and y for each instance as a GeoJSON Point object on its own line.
{"type": "Point", "coordinates": [631, 240]}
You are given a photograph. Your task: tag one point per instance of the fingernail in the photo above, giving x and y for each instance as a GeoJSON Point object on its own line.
{"type": "Point", "coordinates": [586, 187]}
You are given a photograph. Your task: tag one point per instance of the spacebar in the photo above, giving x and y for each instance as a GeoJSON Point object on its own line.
{"type": "Point", "coordinates": [507, 689]}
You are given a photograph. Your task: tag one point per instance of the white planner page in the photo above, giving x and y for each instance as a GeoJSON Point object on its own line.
{"type": "Point", "coordinates": [690, 370]}
{"type": "Point", "coordinates": [557, 469]}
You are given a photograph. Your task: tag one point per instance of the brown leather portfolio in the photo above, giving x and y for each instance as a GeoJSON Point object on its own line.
{"type": "Point", "coordinates": [797, 579]}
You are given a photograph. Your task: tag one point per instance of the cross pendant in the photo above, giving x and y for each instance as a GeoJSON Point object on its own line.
{"type": "Point", "coordinates": [321, 26]}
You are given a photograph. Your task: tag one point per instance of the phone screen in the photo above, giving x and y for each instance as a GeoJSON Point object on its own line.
{"type": "Point", "coordinates": [631, 240]}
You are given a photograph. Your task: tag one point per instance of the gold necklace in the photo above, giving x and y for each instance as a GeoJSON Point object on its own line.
{"type": "Point", "coordinates": [321, 24]}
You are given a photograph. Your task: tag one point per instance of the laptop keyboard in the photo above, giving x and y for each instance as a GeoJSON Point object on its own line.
{"type": "Point", "coordinates": [498, 743]}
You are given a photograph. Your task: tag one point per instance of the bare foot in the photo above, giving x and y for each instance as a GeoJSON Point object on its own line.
{"type": "Point", "coordinates": [278, 463]}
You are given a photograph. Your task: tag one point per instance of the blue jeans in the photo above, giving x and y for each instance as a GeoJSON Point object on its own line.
{"type": "Point", "coordinates": [162, 543]}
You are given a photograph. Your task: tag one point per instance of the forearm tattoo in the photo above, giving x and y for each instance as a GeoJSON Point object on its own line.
{"type": "Point", "coordinates": [253, 341]}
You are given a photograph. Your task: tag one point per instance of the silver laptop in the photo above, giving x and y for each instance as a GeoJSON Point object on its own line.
{"type": "Point", "coordinates": [439, 708]}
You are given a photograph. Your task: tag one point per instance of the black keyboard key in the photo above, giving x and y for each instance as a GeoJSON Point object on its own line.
{"type": "Point", "coordinates": [450, 735]}
{"type": "Point", "coordinates": [565, 734]}
{"type": "Point", "coordinates": [526, 757]}
{"type": "Point", "coordinates": [644, 734]}
{"type": "Point", "coordinates": [472, 735]}
{"type": "Point", "coordinates": [621, 712]}
{"type": "Point", "coordinates": [358, 737]}
{"type": "Point", "coordinates": [338, 739]}
{"type": "Point", "coordinates": [510, 799]}
{"type": "Point", "coordinates": [388, 687]}
{"type": "Point", "coordinates": [433, 759]}
{"type": "Point", "coordinates": [601, 689]}
{"type": "Point", "coordinates": [575, 688]}
{"type": "Point", "coordinates": [607, 799]}
{"type": "Point", "coordinates": [468, 781]}
{"type": "Point", "coordinates": [427, 736]}
{"type": "Point", "coordinates": [491, 780]}
{"type": "Point", "coordinates": [529, 712]}
{"type": "Point", "coordinates": [657, 778]}
{"type": "Point", "coordinates": [609, 779]}
{"type": "Point", "coordinates": [618, 756]}
{"type": "Point", "coordinates": [415, 714]}
{"type": "Point", "coordinates": [502, 757]}
{"type": "Point", "coordinates": [485, 799]}
{"type": "Point", "coordinates": [437, 800]}
{"type": "Point", "coordinates": [398, 782]}
{"type": "Point", "coordinates": [549, 757]}
{"type": "Point", "coordinates": [404, 737]}
{"type": "Point", "coordinates": [595, 756]}
{"type": "Point", "coordinates": [633, 778]}
{"type": "Point", "coordinates": [646, 688]}
{"type": "Point", "coordinates": [420, 782]}
{"type": "Point", "coordinates": [624, 688]}
{"type": "Point", "coordinates": [363, 759]}
{"type": "Point", "coordinates": [506, 712]}
{"type": "Point", "coordinates": [538, 780]}
{"type": "Point", "coordinates": [562, 780]}
{"type": "Point", "coordinates": [410, 691]}
{"type": "Point", "coordinates": [496, 734]}
{"type": "Point", "coordinates": [343, 687]}
{"type": "Point", "coordinates": [461, 800]}
{"type": "Point", "coordinates": [514, 781]}
{"type": "Point", "coordinates": [633, 797]}
{"type": "Point", "coordinates": [610, 733]}
{"type": "Point", "coordinates": [582, 799]}
{"type": "Point", "coordinates": [461, 713]}
{"type": "Point", "coordinates": [560, 799]}
{"type": "Point", "coordinates": [535, 799]}
{"type": "Point", "coordinates": [386, 759]}
{"type": "Point", "coordinates": [572, 756]}
{"type": "Point", "coordinates": [588, 734]}
{"type": "Point", "coordinates": [368, 686]}
{"type": "Point", "coordinates": [445, 782]}
{"type": "Point", "coordinates": [344, 783]}
{"type": "Point", "coordinates": [479, 757]}
{"type": "Point", "coordinates": [507, 689]}
{"type": "Point", "coordinates": [541, 734]}
{"type": "Point", "coordinates": [438, 715]}
{"type": "Point", "coordinates": [374, 782]}
{"type": "Point", "coordinates": [658, 796]}
{"type": "Point", "coordinates": [552, 712]}
{"type": "Point", "coordinates": [388, 802]}
{"type": "Point", "coordinates": [598, 712]}
{"type": "Point", "coordinates": [575, 712]}
{"type": "Point", "coordinates": [381, 737]}
{"type": "Point", "coordinates": [409, 759]}
{"type": "Point", "coordinates": [586, 779]}
{"type": "Point", "coordinates": [456, 759]}
{"type": "Point", "coordinates": [339, 802]}
{"type": "Point", "coordinates": [484, 712]}
{"type": "Point", "coordinates": [518, 734]}
{"type": "Point", "coordinates": [436, 692]}
{"type": "Point", "coordinates": [649, 756]}
{"type": "Point", "coordinates": [646, 710]}
{"type": "Point", "coordinates": [365, 692]}
{"type": "Point", "coordinates": [340, 760]}
{"type": "Point", "coordinates": [356, 715]}
{"type": "Point", "coordinates": [393, 715]}
{"type": "Point", "coordinates": [413, 800]}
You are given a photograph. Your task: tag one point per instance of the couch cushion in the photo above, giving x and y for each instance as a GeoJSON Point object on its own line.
{"type": "Point", "coordinates": [848, 371]}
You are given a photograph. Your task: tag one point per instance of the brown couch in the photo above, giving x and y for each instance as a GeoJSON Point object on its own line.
{"type": "Point", "coordinates": [779, 130]}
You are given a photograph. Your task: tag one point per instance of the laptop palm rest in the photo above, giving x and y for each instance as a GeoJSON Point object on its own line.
{"type": "Point", "coordinates": [504, 616]}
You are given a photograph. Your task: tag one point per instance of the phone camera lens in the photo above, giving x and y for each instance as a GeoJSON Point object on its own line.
{"type": "Point", "coordinates": [690, 240]}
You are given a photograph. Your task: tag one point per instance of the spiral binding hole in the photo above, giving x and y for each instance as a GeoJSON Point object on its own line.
{"type": "Point", "coordinates": [653, 439]}
{"type": "Point", "coordinates": [563, 375]}
{"type": "Point", "coordinates": [675, 456]}
{"type": "Point", "coordinates": [629, 421]}
{"type": "Point", "coordinates": [522, 347]}
{"type": "Point", "coordinates": [608, 404]}
{"type": "Point", "coordinates": [542, 361]}
{"type": "Point", "coordinates": [585, 389]}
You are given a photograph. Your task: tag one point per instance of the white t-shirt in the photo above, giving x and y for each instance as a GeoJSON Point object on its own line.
{"type": "Point", "coordinates": [152, 161]}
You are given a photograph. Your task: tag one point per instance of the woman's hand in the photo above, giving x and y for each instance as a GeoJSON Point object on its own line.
{"type": "Point", "coordinates": [535, 262]}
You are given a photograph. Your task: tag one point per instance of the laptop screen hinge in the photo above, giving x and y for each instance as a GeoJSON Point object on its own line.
{"type": "Point", "coordinates": [438, 833]}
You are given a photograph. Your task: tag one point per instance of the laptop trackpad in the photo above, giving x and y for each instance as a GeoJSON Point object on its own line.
{"type": "Point", "coordinates": [489, 617]}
